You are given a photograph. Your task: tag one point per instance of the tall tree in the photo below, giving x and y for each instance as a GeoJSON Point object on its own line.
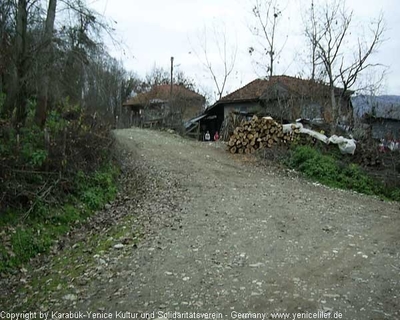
{"type": "Point", "coordinates": [313, 37]}
{"type": "Point", "coordinates": [342, 65]}
{"type": "Point", "coordinates": [6, 29]}
{"type": "Point", "coordinates": [41, 108]}
{"type": "Point", "coordinates": [22, 63]}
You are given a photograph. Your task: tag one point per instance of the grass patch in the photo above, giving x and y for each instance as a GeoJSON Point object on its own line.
{"type": "Point", "coordinates": [70, 266]}
{"type": "Point", "coordinates": [329, 170]}
{"type": "Point", "coordinates": [25, 237]}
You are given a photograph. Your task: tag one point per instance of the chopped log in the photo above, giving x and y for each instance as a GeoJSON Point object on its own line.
{"type": "Point", "coordinates": [259, 133]}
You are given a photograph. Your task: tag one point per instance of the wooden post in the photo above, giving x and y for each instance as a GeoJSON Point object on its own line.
{"type": "Point", "coordinates": [198, 130]}
{"type": "Point", "coordinates": [172, 74]}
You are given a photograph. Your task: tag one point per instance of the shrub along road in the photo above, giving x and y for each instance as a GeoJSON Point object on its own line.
{"type": "Point", "coordinates": [225, 235]}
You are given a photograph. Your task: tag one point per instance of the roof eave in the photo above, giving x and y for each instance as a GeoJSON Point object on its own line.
{"type": "Point", "coordinates": [222, 102]}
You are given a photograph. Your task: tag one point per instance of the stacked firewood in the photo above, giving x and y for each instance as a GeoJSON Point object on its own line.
{"type": "Point", "coordinates": [259, 133]}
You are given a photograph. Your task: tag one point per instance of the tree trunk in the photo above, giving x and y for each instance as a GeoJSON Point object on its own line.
{"type": "Point", "coordinates": [271, 68]}
{"type": "Point", "coordinates": [21, 92]}
{"type": "Point", "coordinates": [334, 110]}
{"type": "Point", "coordinates": [10, 88]}
{"type": "Point", "coordinates": [41, 108]}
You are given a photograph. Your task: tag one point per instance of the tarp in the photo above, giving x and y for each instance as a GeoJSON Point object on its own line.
{"type": "Point", "coordinates": [346, 146]}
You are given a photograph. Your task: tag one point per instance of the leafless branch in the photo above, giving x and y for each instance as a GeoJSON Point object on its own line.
{"type": "Point", "coordinates": [227, 56]}
{"type": "Point", "coordinates": [267, 15]}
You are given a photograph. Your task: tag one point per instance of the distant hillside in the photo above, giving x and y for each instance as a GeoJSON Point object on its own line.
{"type": "Point", "coordinates": [381, 106]}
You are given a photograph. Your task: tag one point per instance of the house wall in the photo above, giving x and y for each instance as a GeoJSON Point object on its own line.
{"type": "Point", "coordinates": [130, 116]}
{"type": "Point", "coordinates": [282, 110]}
{"type": "Point", "coordinates": [155, 111]}
{"type": "Point", "coordinates": [135, 118]}
{"type": "Point", "coordinates": [292, 108]}
{"type": "Point", "coordinates": [387, 129]}
{"type": "Point", "coordinates": [244, 107]}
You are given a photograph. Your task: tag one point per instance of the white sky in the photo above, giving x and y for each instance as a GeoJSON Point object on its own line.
{"type": "Point", "coordinates": [154, 30]}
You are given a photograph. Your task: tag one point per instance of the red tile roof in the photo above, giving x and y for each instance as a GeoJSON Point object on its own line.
{"type": "Point", "coordinates": [251, 91]}
{"type": "Point", "coordinates": [255, 89]}
{"type": "Point", "coordinates": [162, 92]}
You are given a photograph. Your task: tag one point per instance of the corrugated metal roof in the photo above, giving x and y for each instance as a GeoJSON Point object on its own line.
{"type": "Point", "coordinates": [188, 123]}
{"type": "Point", "coordinates": [385, 107]}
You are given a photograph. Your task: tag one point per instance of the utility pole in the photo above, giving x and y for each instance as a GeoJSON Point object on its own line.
{"type": "Point", "coordinates": [172, 73]}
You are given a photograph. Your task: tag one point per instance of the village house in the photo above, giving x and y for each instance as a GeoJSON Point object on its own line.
{"type": "Point", "coordinates": [284, 98]}
{"type": "Point", "coordinates": [164, 105]}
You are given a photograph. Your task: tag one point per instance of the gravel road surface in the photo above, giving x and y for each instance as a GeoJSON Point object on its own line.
{"type": "Point", "coordinates": [227, 236]}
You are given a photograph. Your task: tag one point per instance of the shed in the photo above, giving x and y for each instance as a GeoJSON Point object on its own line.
{"type": "Point", "coordinates": [381, 113]}
{"type": "Point", "coordinates": [164, 103]}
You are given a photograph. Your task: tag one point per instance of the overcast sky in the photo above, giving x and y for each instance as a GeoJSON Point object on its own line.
{"type": "Point", "coordinates": [154, 30]}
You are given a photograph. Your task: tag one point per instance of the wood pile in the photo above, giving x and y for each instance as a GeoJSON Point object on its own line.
{"type": "Point", "coordinates": [258, 133]}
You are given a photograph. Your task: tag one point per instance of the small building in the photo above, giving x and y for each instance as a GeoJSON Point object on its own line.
{"type": "Point", "coordinates": [164, 105]}
{"type": "Point", "coordinates": [381, 114]}
{"type": "Point", "coordinates": [284, 98]}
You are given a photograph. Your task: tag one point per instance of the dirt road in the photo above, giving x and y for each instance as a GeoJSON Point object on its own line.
{"type": "Point", "coordinates": [231, 237]}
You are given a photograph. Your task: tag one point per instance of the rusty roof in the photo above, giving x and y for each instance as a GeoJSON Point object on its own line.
{"type": "Point", "coordinates": [162, 92]}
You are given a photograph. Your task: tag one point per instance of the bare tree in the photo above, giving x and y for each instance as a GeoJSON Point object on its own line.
{"type": "Point", "coordinates": [217, 44]}
{"type": "Point", "coordinates": [332, 32]}
{"type": "Point", "coordinates": [268, 16]}
{"type": "Point", "coordinates": [160, 76]}
{"type": "Point", "coordinates": [314, 37]}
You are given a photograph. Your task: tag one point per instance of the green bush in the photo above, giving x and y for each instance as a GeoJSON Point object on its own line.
{"type": "Point", "coordinates": [55, 122]}
{"type": "Point", "coordinates": [51, 177]}
{"type": "Point", "coordinates": [26, 243]}
{"type": "Point", "coordinates": [395, 194]}
{"type": "Point", "coordinates": [354, 178]}
{"type": "Point", "coordinates": [328, 170]}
